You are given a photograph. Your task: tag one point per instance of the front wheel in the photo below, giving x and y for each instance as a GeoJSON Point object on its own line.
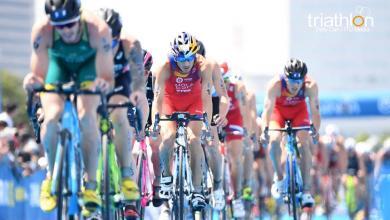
{"type": "Point", "coordinates": [292, 189]}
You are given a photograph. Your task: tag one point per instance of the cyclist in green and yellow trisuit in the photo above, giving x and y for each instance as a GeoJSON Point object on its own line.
{"type": "Point", "coordinates": [71, 45]}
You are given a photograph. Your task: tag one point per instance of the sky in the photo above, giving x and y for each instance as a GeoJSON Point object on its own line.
{"type": "Point", "coordinates": [252, 37]}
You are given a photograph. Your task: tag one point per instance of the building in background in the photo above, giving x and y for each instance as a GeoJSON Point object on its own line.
{"type": "Point", "coordinates": [16, 20]}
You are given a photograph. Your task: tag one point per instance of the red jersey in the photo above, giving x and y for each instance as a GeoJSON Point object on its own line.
{"type": "Point", "coordinates": [234, 114]}
{"type": "Point", "coordinates": [286, 99]}
{"type": "Point", "coordinates": [183, 92]}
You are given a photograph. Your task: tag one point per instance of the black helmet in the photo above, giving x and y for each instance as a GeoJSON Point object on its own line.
{"type": "Point", "coordinates": [113, 19]}
{"type": "Point", "coordinates": [62, 11]}
{"type": "Point", "coordinates": [202, 50]}
{"type": "Point", "coordinates": [295, 69]}
{"type": "Point", "coordinates": [148, 60]}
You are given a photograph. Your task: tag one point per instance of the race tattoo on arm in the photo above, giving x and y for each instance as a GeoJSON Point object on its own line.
{"type": "Point", "coordinates": [37, 42]}
{"type": "Point", "coordinates": [222, 84]}
{"type": "Point", "coordinates": [208, 89]}
{"type": "Point", "coordinates": [136, 67]}
{"type": "Point", "coordinates": [106, 45]}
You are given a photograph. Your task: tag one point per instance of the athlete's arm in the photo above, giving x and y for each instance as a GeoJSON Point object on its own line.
{"type": "Point", "coordinates": [134, 54]}
{"type": "Point", "coordinates": [206, 75]}
{"type": "Point", "coordinates": [240, 94]}
{"type": "Point", "coordinates": [100, 37]}
{"type": "Point", "coordinates": [312, 93]}
{"type": "Point", "coordinates": [220, 88]}
{"type": "Point", "coordinates": [40, 38]}
{"type": "Point", "coordinates": [253, 113]}
{"type": "Point", "coordinates": [162, 75]}
{"type": "Point", "coordinates": [269, 102]}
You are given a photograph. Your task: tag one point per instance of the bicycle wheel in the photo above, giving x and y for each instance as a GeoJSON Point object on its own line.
{"type": "Point", "coordinates": [62, 178]}
{"type": "Point", "coordinates": [178, 199]}
{"type": "Point", "coordinates": [292, 189]}
{"type": "Point", "coordinates": [140, 165]}
{"type": "Point", "coordinates": [106, 180]}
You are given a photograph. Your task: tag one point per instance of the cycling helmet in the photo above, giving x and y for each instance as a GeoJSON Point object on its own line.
{"type": "Point", "coordinates": [62, 11]}
{"type": "Point", "coordinates": [148, 60]}
{"type": "Point", "coordinates": [226, 74]}
{"type": "Point", "coordinates": [295, 69]}
{"type": "Point", "coordinates": [184, 45]}
{"type": "Point", "coordinates": [113, 19]}
{"type": "Point", "coordinates": [202, 50]}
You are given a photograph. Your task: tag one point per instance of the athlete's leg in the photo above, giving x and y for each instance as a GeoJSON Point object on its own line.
{"type": "Point", "coordinates": [215, 159]}
{"type": "Point", "coordinates": [235, 150]}
{"type": "Point", "coordinates": [52, 105]}
{"type": "Point", "coordinates": [90, 137]}
{"type": "Point", "coordinates": [197, 155]}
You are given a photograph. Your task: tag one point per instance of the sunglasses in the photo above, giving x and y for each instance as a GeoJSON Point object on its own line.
{"type": "Point", "coordinates": [295, 81]}
{"type": "Point", "coordinates": [184, 59]}
{"type": "Point", "coordinates": [68, 25]}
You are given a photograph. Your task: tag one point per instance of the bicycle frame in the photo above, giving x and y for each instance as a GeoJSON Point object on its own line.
{"type": "Point", "coordinates": [291, 150]}
{"type": "Point", "coordinates": [182, 175]}
{"type": "Point", "coordinates": [293, 190]}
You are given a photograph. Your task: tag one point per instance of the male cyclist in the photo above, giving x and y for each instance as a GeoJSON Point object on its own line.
{"type": "Point", "coordinates": [234, 137]}
{"type": "Point", "coordinates": [285, 100]}
{"type": "Point", "coordinates": [129, 85]}
{"type": "Point", "coordinates": [71, 45]}
{"type": "Point", "coordinates": [217, 108]}
{"type": "Point", "coordinates": [183, 83]}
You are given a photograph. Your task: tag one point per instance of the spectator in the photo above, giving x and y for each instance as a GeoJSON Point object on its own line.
{"type": "Point", "coordinates": [10, 110]}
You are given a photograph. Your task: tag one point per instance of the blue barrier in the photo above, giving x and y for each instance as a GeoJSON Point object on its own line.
{"type": "Point", "coordinates": [19, 197]}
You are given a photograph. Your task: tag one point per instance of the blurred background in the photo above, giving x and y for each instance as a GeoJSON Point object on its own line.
{"type": "Point", "coordinates": [346, 45]}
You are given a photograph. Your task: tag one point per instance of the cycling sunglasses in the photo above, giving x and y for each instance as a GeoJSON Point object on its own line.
{"type": "Point", "coordinates": [67, 25]}
{"type": "Point", "coordinates": [184, 59]}
{"type": "Point", "coordinates": [295, 81]}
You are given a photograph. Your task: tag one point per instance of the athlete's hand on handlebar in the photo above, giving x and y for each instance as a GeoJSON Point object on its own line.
{"type": "Point", "coordinates": [220, 121]}
{"type": "Point", "coordinates": [102, 85]}
{"type": "Point", "coordinates": [31, 81]}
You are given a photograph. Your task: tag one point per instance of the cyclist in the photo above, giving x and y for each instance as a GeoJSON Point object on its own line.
{"type": "Point", "coordinates": [285, 99]}
{"type": "Point", "coordinates": [183, 83]}
{"type": "Point", "coordinates": [336, 155]}
{"type": "Point", "coordinates": [129, 78]}
{"type": "Point", "coordinates": [217, 108]}
{"type": "Point", "coordinates": [234, 138]}
{"type": "Point", "coordinates": [71, 42]}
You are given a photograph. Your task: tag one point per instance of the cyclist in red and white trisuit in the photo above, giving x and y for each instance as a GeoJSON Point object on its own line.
{"type": "Point", "coordinates": [182, 84]}
{"type": "Point", "coordinates": [234, 138]}
{"type": "Point", "coordinates": [285, 100]}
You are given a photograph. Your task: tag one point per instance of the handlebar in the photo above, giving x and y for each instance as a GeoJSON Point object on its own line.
{"type": "Point", "coordinates": [181, 117]}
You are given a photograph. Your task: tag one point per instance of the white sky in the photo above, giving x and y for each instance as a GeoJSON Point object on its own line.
{"type": "Point", "coordinates": [252, 35]}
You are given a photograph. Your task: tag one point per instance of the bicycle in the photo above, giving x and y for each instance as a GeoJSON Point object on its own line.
{"type": "Point", "coordinates": [67, 173]}
{"type": "Point", "coordinates": [144, 168]}
{"type": "Point", "coordinates": [108, 172]}
{"type": "Point", "coordinates": [294, 188]}
{"type": "Point", "coordinates": [182, 177]}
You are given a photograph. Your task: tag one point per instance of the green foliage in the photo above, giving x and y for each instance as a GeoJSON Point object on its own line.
{"type": "Point", "coordinates": [12, 92]}
{"type": "Point", "coordinates": [362, 137]}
